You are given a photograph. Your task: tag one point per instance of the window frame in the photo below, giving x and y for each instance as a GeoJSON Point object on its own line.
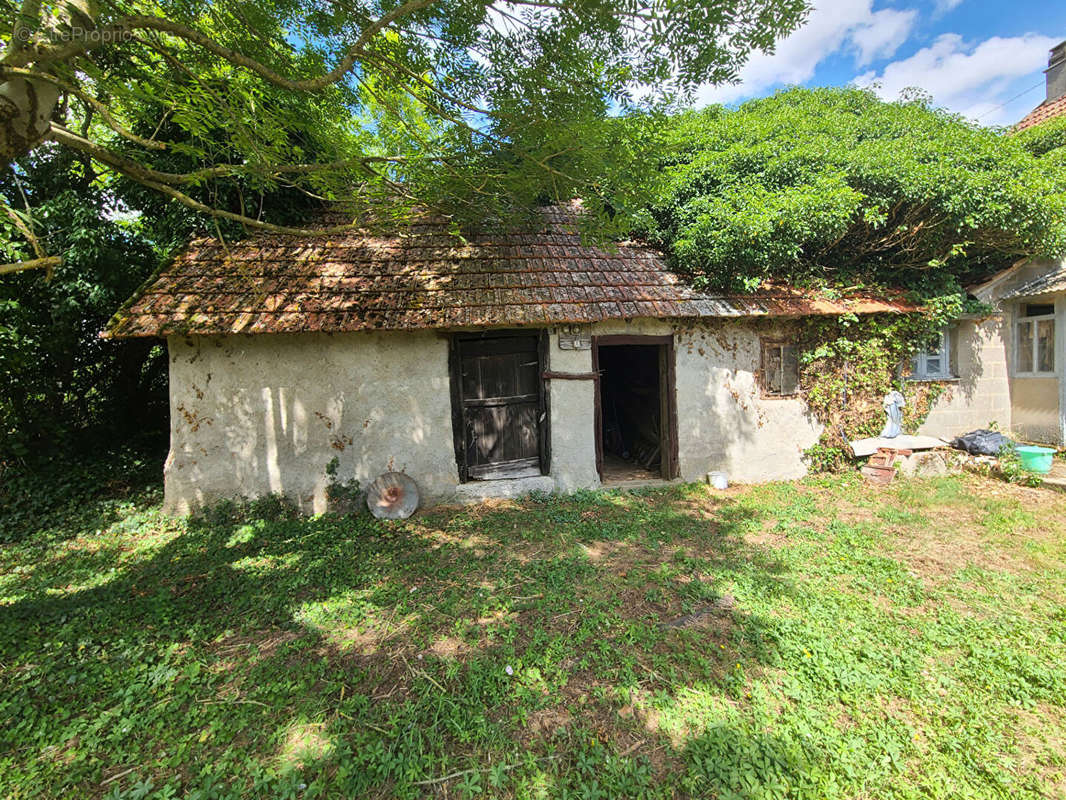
{"type": "Point", "coordinates": [764, 389]}
{"type": "Point", "coordinates": [1020, 320]}
{"type": "Point", "coordinates": [922, 373]}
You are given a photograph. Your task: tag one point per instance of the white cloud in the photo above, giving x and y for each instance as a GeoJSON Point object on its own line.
{"type": "Point", "coordinates": [944, 6]}
{"type": "Point", "coordinates": [978, 81]}
{"type": "Point", "coordinates": [833, 26]}
{"type": "Point", "coordinates": [882, 36]}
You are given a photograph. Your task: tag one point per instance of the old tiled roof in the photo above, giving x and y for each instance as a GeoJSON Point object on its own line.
{"type": "Point", "coordinates": [1049, 109]}
{"type": "Point", "coordinates": [1054, 281]}
{"type": "Point", "coordinates": [426, 278]}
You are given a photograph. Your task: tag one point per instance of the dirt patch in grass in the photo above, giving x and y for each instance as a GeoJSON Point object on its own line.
{"type": "Point", "coordinates": [547, 722]}
{"type": "Point", "coordinates": [954, 538]}
{"type": "Point", "coordinates": [1042, 747]}
{"type": "Point", "coordinates": [259, 644]}
{"type": "Point", "coordinates": [769, 535]}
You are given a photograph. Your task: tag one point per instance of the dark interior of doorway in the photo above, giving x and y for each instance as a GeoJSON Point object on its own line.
{"type": "Point", "coordinates": [631, 412]}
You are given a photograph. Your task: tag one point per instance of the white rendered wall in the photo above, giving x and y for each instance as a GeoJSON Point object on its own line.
{"type": "Point", "coordinates": [251, 415]}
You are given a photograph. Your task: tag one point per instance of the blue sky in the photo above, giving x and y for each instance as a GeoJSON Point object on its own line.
{"type": "Point", "coordinates": [974, 57]}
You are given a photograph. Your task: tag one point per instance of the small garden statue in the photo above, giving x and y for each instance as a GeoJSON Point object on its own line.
{"type": "Point", "coordinates": [893, 404]}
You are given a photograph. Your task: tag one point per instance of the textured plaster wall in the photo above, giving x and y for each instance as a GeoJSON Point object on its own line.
{"type": "Point", "coordinates": [252, 415]}
{"type": "Point", "coordinates": [257, 414]}
{"type": "Point", "coordinates": [982, 392]}
{"type": "Point", "coordinates": [573, 424]}
{"type": "Point", "coordinates": [724, 423]}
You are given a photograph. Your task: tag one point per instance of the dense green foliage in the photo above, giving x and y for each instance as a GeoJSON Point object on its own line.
{"type": "Point", "coordinates": [463, 105]}
{"type": "Point", "coordinates": [839, 190]}
{"type": "Point", "coordinates": [1045, 139]}
{"type": "Point", "coordinates": [834, 186]}
{"type": "Point", "coordinates": [520, 651]}
{"type": "Point", "coordinates": [850, 363]}
{"type": "Point", "coordinates": [58, 379]}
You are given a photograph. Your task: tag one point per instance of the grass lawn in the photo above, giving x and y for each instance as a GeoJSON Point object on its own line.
{"type": "Point", "coordinates": [814, 640]}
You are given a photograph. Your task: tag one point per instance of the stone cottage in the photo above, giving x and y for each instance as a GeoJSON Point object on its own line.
{"type": "Point", "coordinates": [498, 364]}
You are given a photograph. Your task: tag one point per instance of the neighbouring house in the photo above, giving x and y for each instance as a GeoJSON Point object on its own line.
{"type": "Point", "coordinates": [1005, 368]}
{"type": "Point", "coordinates": [494, 365]}
{"type": "Point", "coordinates": [1009, 368]}
{"type": "Point", "coordinates": [1054, 104]}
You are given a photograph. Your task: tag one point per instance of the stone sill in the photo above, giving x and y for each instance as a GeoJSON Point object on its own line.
{"type": "Point", "coordinates": [503, 488]}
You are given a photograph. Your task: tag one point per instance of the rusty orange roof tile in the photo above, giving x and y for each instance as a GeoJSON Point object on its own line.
{"type": "Point", "coordinates": [1049, 109]}
{"type": "Point", "coordinates": [426, 278]}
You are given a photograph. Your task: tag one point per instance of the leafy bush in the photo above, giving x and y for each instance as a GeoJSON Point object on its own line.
{"type": "Point", "coordinates": [343, 497]}
{"type": "Point", "coordinates": [76, 489]}
{"type": "Point", "coordinates": [240, 510]}
{"type": "Point", "coordinates": [837, 186]}
{"type": "Point", "coordinates": [1010, 468]}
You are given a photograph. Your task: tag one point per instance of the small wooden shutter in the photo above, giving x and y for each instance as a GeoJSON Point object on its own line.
{"type": "Point", "coordinates": [780, 369]}
{"type": "Point", "coordinates": [500, 406]}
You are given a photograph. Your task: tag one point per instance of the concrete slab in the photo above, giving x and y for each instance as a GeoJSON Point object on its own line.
{"type": "Point", "coordinates": [476, 491]}
{"type": "Point", "coordinates": [1056, 479]}
{"type": "Point", "coordinates": [867, 447]}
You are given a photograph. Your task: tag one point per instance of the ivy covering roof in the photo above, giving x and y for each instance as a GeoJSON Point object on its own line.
{"type": "Point", "coordinates": [425, 278]}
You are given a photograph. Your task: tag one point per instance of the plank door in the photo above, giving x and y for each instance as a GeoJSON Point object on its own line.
{"type": "Point", "coordinates": [499, 405]}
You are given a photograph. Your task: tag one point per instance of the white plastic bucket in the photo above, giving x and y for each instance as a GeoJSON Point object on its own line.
{"type": "Point", "coordinates": [718, 480]}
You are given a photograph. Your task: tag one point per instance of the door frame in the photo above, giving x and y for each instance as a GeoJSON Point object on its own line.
{"type": "Point", "coordinates": [669, 463]}
{"type": "Point", "coordinates": [455, 341]}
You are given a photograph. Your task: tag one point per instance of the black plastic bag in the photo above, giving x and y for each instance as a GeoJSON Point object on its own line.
{"type": "Point", "coordinates": [982, 443]}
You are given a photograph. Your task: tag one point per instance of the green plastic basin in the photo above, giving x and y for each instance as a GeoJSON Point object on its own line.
{"type": "Point", "coordinates": [1035, 459]}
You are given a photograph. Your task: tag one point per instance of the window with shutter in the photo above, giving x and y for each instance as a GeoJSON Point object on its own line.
{"type": "Point", "coordinates": [933, 363]}
{"type": "Point", "coordinates": [780, 369]}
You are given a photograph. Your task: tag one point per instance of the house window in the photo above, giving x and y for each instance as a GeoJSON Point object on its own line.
{"type": "Point", "coordinates": [1034, 343]}
{"type": "Point", "coordinates": [780, 369]}
{"type": "Point", "coordinates": [933, 363]}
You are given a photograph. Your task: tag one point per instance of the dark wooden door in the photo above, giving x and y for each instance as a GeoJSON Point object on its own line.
{"type": "Point", "coordinates": [499, 400]}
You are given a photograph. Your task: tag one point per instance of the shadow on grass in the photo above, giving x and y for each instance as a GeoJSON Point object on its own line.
{"type": "Point", "coordinates": [521, 645]}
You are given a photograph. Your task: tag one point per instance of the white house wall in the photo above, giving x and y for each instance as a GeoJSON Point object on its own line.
{"type": "Point", "coordinates": [252, 415]}
{"type": "Point", "coordinates": [723, 422]}
{"type": "Point", "coordinates": [1038, 404]}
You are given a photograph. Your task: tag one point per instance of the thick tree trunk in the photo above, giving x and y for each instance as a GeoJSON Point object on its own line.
{"type": "Point", "coordinates": [26, 108]}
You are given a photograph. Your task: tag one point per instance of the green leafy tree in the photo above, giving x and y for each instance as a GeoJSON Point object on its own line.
{"type": "Point", "coordinates": [454, 104]}
{"type": "Point", "coordinates": [837, 187]}
{"type": "Point", "coordinates": [58, 380]}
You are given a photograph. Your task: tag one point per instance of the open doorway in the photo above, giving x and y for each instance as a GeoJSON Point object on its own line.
{"type": "Point", "coordinates": [635, 421]}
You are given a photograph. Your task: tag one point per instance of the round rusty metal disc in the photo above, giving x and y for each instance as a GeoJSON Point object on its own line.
{"type": "Point", "coordinates": [392, 495]}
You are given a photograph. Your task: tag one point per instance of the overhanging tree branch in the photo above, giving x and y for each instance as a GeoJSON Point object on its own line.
{"type": "Point", "coordinates": [138, 171]}
{"type": "Point", "coordinates": [123, 27]}
{"type": "Point", "coordinates": [48, 263]}
{"type": "Point", "coordinates": [89, 100]}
